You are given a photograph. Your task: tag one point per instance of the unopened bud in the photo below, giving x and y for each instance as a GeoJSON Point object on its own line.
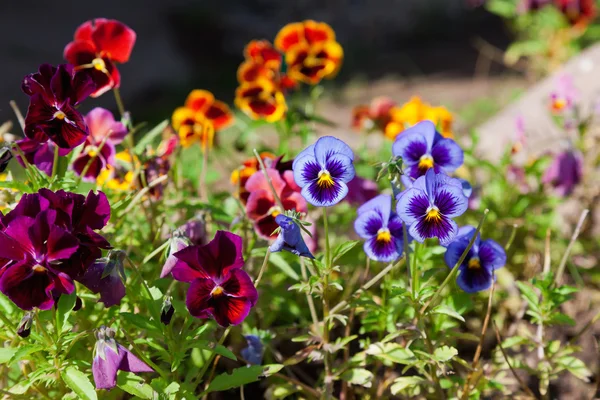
{"type": "Point", "coordinates": [24, 328]}
{"type": "Point", "coordinates": [167, 311]}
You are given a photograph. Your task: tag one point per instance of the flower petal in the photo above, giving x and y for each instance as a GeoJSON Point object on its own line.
{"type": "Point", "coordinates": [306, 169]}
{"type": "Point", "coordinates": [131, 363]}
{"type": "Point", "coordinates": [239, 284]}
{"type": "Point", "coordinates": [474, 280]}
{"type": "Point", "coordinates": [382, 251]}
{"type": "Point", "coordinates": [60, 244]}
{"type": "Point", "coordinates": [327, 146]}
{"type": "Point", "coordinates": [492, 255]}
{"type": "Point", "coordinates": [368, 224]}
{"type": "Point", "coordinates": [340, 167]}
{"type": "Point", "coordinates": [80, 52]}
{"type": "Point", "coordinates": [325, 196]}
{"type": "Point", "coordinates": [412, 204]}
{"type": "Point", "coordinates": [105, 369]}
{"type": "Point", "coordinates": [451, 201]}
{"type": "Point", "coordinates": [444, 229]}
{"type": "Point", "coordinates": [381, 203]}
{"type": "Point", "coordinates": [231, 310]}
{"type": "Point", "coordinates": [411, 146]}
{"type": "Point", "coordinates": [198, 299]}
{"type": "Point", "coordinates": [114, 38]}
{"type": "Point", "coordinates": [447, 155]}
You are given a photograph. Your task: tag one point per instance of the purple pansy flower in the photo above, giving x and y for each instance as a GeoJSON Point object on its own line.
{"type": "Point", "coordinates": [254, 352]}
{"type": "Point", "coordinates": [429, 206]}
{"type": "Point", "coordinates": [54, 92]}
{"type": "Point", "coordinates": [39, 154]}
{"type": "Point", "coordinates": [361, 190]}
{"type": "Point", "coordinates": [477, 269]}
{"type": "Point", "coordinates": [35, 248]}
{"type": "Point", "coordinates": [177, 242]}
{"type": "Point", "coordinates": [99, 148]}
{"type": "Point", "coordinates": [106, 276]}
{"type": "Point", "coordinates": [110, 357]}
{"type": "Point", "coordinates": [219, 287]}
{"type": "Point", "coordinates": [565, 172]}
{"type": "Point", "coordinates": [290, 238]}
{"type": "Point", "coordinates": [422, 147]}
{"type": "Point", "coordinates": [323, 170]}
{"type": "Point", "coordinates": [382, 229]}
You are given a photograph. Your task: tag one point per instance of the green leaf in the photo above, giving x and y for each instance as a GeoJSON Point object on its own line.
{"type": "Point", "coordinates": [66, 302]}
{"type": "Point", "coordinates": [150, 136]}
{"type": "Point", "coordinates": [405, 382]}
{"type": "Point", "coordinates": [24, 351]}
{"type": "Point", "coordinates": [6, 353]}
{"type": "Point", "coordinates": [445, 310]}
{"type": "Point", "coordinates": [238, 377]}
{"type": "Point", "coordinates": [525, 48]}
{"type": "Point", "coordinates": [529, 295]}
{"type": "Point", "coordinates": [391, 352]}
{"type": "Point", "coordinates": [225, 352]}
{"type": "Point", "coordinates": [135, 385]}
{"type": "Point", "coordinates": [444, 353]}
{"type": "Point", "coordinates": [502, 8]}
{"type": "Point", "coordinates": [79, 383]}
{"type": "Point", "coordinates": [271, 369]}
{"type": "Point", "coordinates": [140, 321]}
{"type": "Point", "coordinates": [358, 376]}
{"type": "Point", "coordinates": [562, 319]}
{"type": "Point", "coordinates": [576, 367]}
{"type": "Point", "coordinates": [343, 249]}
{"type": "Point", "coordinates": [280, 262]}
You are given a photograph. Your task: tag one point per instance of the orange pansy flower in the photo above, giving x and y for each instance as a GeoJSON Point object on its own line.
{"type": "Point", "coordinates": [261, 99]}
{"type": "Point", "coordinates": [203, 101]}
{"type": "Point", "coordinates": [192, 127]}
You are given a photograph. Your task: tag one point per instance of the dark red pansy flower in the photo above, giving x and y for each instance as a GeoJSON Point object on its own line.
{"type": "Point", "coordinates": [54, 92]}
{"type": "Point", "coordinates": [219, 287]}
{"type": "Point", "coordinates": [39, 154]}
{"type": "Point", "coordinates": [73, 216]}
{"type": "Point", "coordinates": [97, 45]}
{"type": "Point", "coordinates": [36, 249]}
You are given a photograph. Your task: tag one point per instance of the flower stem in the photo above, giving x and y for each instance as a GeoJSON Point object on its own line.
{"type": "Point", "coordinates": [214, 353]}
{"type": "Point", "coordinates": [119, 101]}
{"type": "Point", "coordinates": [202, 183]}
{"type": "Point", "coordinates": [406, 251]}
{"type": "Point", "coordinates": [309, 299]}
{"type": "Point", "coordinates": [454, 270]}
{"type": "Point", "coordinates": [327, 356]}
{"type": "Point", "coordinates": [414, 274]}
{"type": "Point", "coordinates": [55, 162]}
{"type": "Point", "coordinates": [15, 107]}
{"type": "Point", "coordinates": [263, 267]}
{"type": "Point", "coordinates": [268, 178]}
{"type": "Point", "coordinates": [91, 160]}
{"type": "Point", "coordinates": [565, 258]}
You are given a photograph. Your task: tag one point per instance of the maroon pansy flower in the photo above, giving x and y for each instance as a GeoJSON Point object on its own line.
{"type": "Point", "coordinates": [219, 287]}
{"type": "Point", "coordinates": [97, 45]}
{"type": "Point", "coordinates": [36, 248]}
{"type": "Point", "coordinates": [39, 154]}
{"type": "Point", "coordinates": [99, 148]}
{"type": "Point", "coordinates": [54, 92]}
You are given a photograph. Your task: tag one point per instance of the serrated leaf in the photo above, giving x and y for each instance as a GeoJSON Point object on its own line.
{"type": "Point", "coordinates": [343, 249]}
{"type": "Point", "coordinates": [445, 310]}
{"type": "Point", "coordinates": [358, 376]}
{"type": "Point", "coordinates": [529, 294]}
{"type": "Point", "coordinates": [238, 377]}
{"type": "Point", "coordinates": [444, 353]}
{"type": "Point", "coordinates": [24, 351]}
{"type": "Point", "coordinates": [405, 382]}
{"type": "Point", "coordinates": [79, 383]}
{"type": "Point", "coordinates": [135, 385]}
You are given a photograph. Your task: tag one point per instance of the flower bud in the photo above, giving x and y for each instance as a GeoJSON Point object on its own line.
{"type": "Point", "coordinates": [24, 328]}
{"type": "Point", "coordinates": [167, 311]}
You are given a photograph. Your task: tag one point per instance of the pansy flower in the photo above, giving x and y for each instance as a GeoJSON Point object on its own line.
{"type": "Point", "coordinates": [323, 170]}
{"type": "Point", "coordinates": [200, 117]}
{"type": "Point", "coordinates": [374, 116]}
{"type": "Point", "coordinates": [219, 287]}
{"type": "Point", "coordinates": [414, 111]}
{"type": "Point", "coordinates": [39, 154]}
{"type": "Point", "coordinates": [262, 207]}
{"type": "Point", "coordinates": [36, 248]}
{"type": "Point", "coordinates": [249, 167]}
{"type": "Point", "coordinates": [97, 46]}
{"type": "Point", "coordinates": [477, 269]}
{"type": "Point", "coordinates": [54, 92]}
{"type": "Point", "coordinates": [120, 176]}
{"type": "Point", "coordinates": [361, 190]}
{"type": "Point", "coordinates": [106, 276]}
{"type": "Point", "coordinates": [290, 238]}
{"type": "Point", "coordinates": [177, 242]}
{"type": "Point", "coordinates": [428, 207]}
{"type": "Point", "coordinates": [381, 228]}
{"type": "Point", "coordinates": [261, 99]}
{"type": "Point", "coordinates": [253, 353]}
{"type": "Point", "coordinates": [564, 96]}
{"type": "Point", "coordinates": [262, 60]}
{"type": "Point", "coordinates": [578, 12]}
{"type": "Point", "coordinates": [422, 148]}
{"type": "Point", "coordinates": [311, 51]}
{"type": "Point", "coordinates": [99, 148]}
{"type": "Point", "coordinates": [110, 357]}
{"type": "Point", "coordinates": [565, 172]}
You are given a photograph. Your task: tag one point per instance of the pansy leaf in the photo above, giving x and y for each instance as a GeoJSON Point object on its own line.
{"type": "Point", "coordinates": [79, 383]}
{"type": "Point", "coordinates": [25, 351]}
{"type": "Point", "coordinates": [358, 376]}
{"type": "Point", "coordinates": [66, 302]}
{"type": "Point", "coordinates": [405, 382]}
{"type": "Point", "coordinates": [343, 248]}
{"type": "Point", "coordinates": [445, 310]}
{"type": "Point", "coordinates": [444, 353]}
{"type": "Point", "coordinates": [135, 385]}
{"type": "Point", "coordinates": [6, 353]}
{"type": "Point", "coordinates": [280, 262]}
{"type": "Point", "coordinates": [576, 367]}
{"type": "Point", "coordinates": [238, 377]}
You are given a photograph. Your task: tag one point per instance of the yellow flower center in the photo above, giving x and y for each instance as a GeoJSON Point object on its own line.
{"type": "Point", "coordinates": [433, 215]}
{"type": "Point", "coordinates": [93, 151]}
{"type": "Point", "coordinates": [384, 235]}
{"type": "Point", "coordinates": [60, 115]}
{"type": "Point", "coordinates": [474, 263]}
{"type": "Point", "coordinates": [99, 64]}
{"type": "Point", "coordinates": [275, 211]}
{"type": "Point", "coordinates": [217, 291]}
{"type": "Point", "coordinates": [38, 268]}
{"type": "Point", "coordinates": [426, 162]}
{"type": "Point", "coordinates": [559, 104]}
{"type": "Point", "coordinates": [325, 180]}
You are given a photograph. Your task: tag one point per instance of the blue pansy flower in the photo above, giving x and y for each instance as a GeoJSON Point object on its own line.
{"type": "Point", "coordinates": [422, 148]}
{"type": "Point", "coordinates": [381, 228]}
{"type": "Point", "coordinates": [290, 238]}
{"type": "Point", "coordinates": [429, 205]}
{"type": "Point", "coordinates": [254, 352]}
{"type": "Point", "coordinates": [477, 269]}
{"type": "Point", "coordinates": [323, 169]}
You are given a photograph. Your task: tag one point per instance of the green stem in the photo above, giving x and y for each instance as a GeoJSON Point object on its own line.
{"type": "Point", "coordinates": [454, 270]}
{"type": "Point", "coordinates": [268, 178]}
{"type": "Point", "coordinates": [327, 356]}
{"type": "Point", "coordinates": [309, 299]}
{"type": "Point", "coordinates": [55, 162]}
{"type": "Point", "coordinates": [565, 258]}
{"type": "Point", "coordinates": [414, 273]}
{"type": "Point", "coordinates": [263, 267]}
{"type": "Point", "coordinates": [119, 101]}
{"type": "Point", "coordinates": [213, 353]}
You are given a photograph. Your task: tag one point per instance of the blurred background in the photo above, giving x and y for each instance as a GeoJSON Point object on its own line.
{"type": "Point", "coordinates": [390, 46]}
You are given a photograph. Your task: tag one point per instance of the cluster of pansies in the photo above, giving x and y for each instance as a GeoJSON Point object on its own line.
{"type": "Point", "coordinates": [384, 115]}
{"type": "Point", "coordinates": [49, 241]}
{"type": "Point", "coordinates": [304, 52]}
{"type": "Point", "coordinates": [578, 12]}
